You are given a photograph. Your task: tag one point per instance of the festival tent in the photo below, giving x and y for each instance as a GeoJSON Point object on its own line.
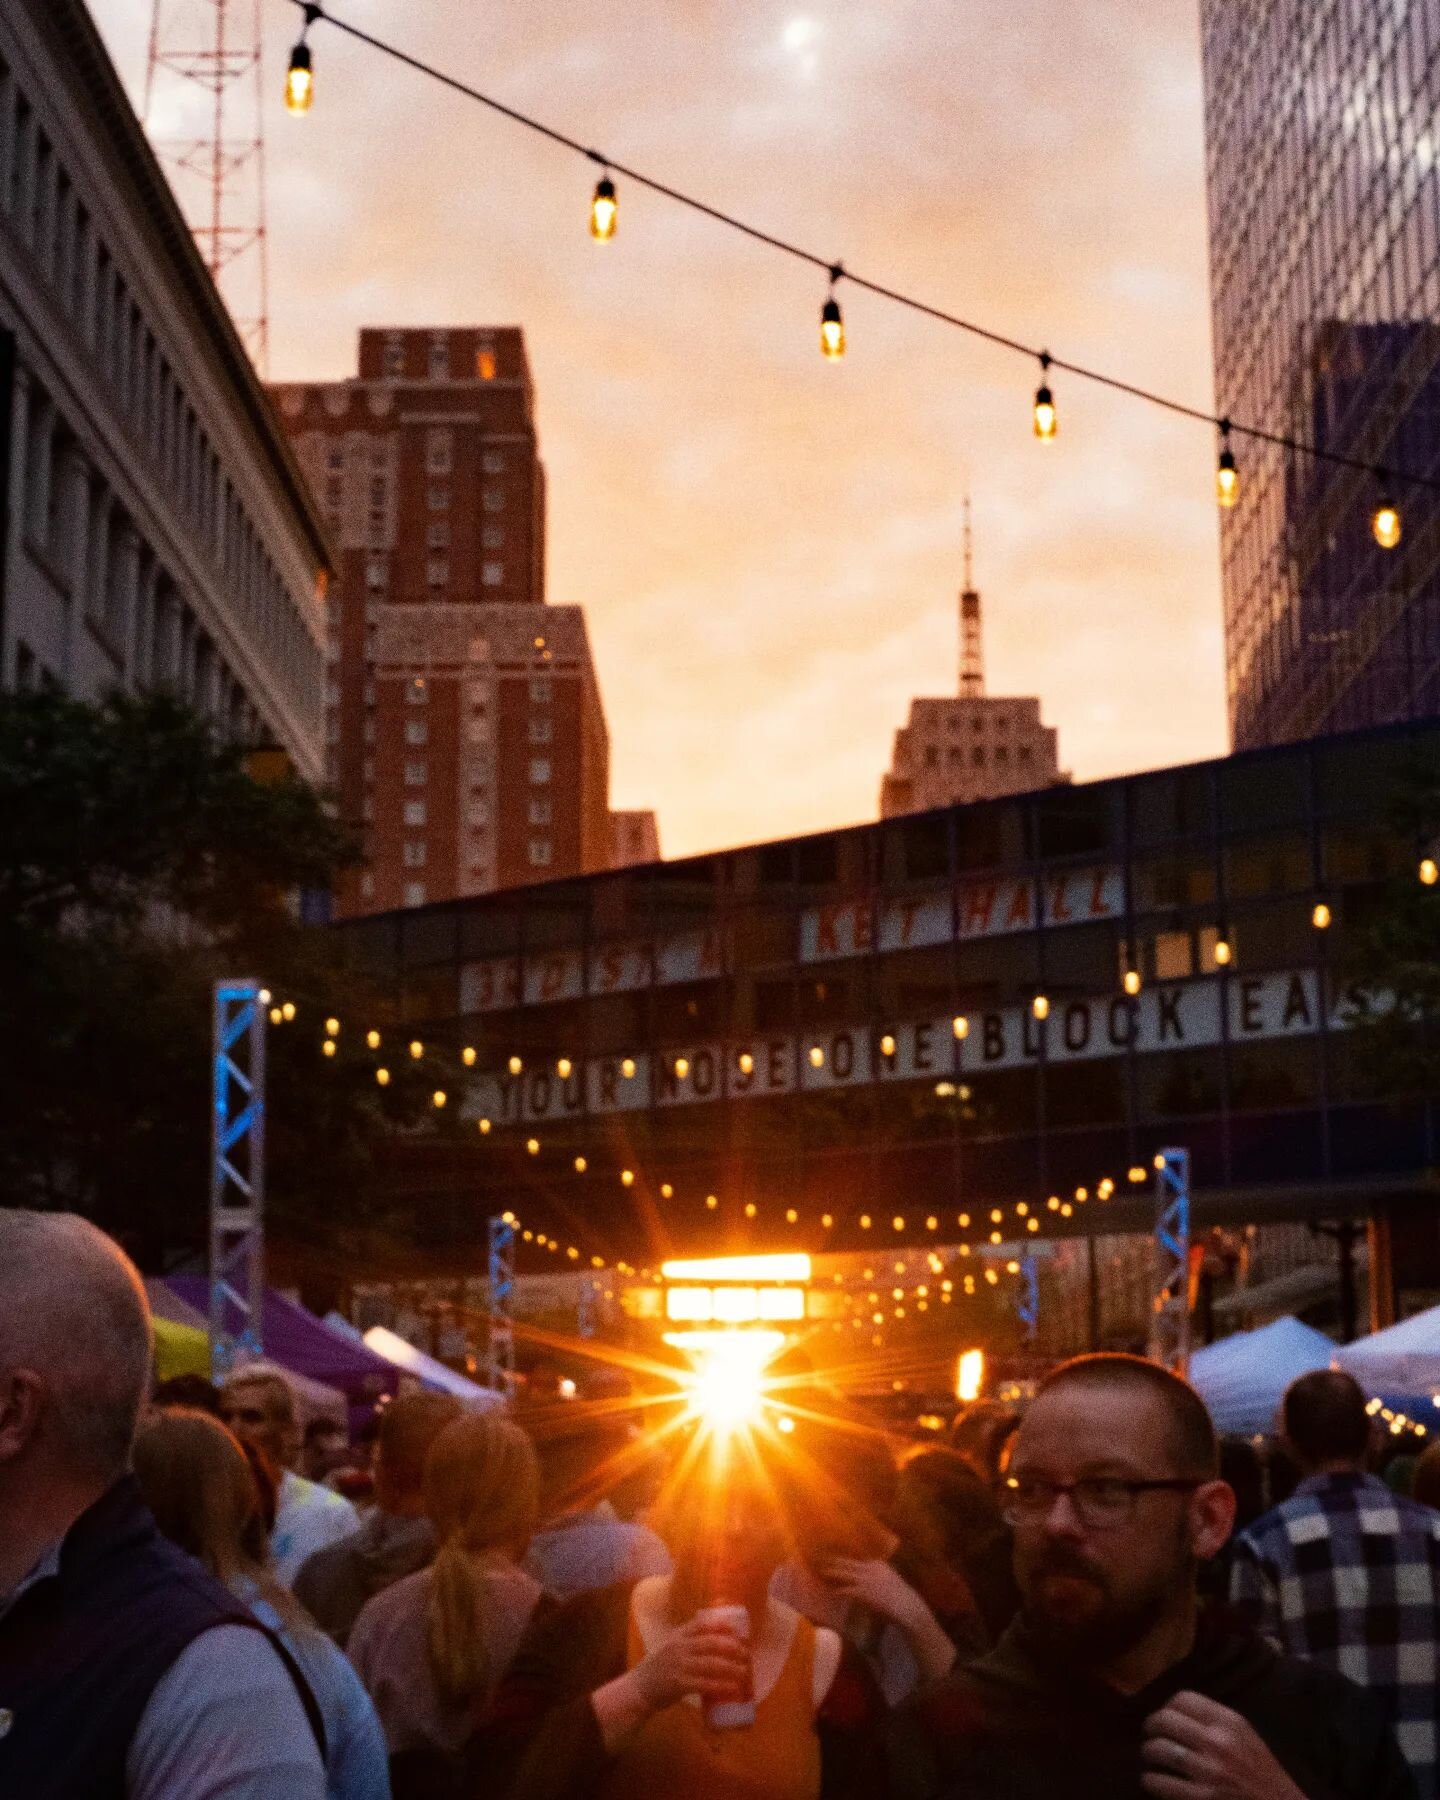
{"type": "Point", "coordinates": [433, 1374]}
{"type": "Point", "coordinates": [1402, 1361]}
{"type": "Point", "coordinates": [180, 1350]}
{"type": "Point", "coordinates": [1242, 1378]}
{"type": "Point", "coordinates": [305, 1346]}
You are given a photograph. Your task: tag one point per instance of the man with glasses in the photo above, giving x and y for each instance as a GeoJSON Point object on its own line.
{"type": "Point", "coordinates": [1111, 1684]}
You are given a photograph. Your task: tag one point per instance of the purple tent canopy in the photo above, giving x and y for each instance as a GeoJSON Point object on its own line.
{"type": "Point", "coordinates": [298, 1340]}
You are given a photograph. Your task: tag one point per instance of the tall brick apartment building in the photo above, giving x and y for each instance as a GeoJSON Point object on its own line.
{"type": "Point", "coordinates": [465, 734]}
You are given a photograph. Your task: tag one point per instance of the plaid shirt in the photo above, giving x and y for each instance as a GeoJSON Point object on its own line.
{"type": "Point", "coordinates": [1348, 1573]}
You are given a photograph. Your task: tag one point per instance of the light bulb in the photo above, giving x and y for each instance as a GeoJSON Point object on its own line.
{"type": "Point", "coordinates": [887, 1045]}
{"type": "Point", "coordinates": [1321, 917]}
{"type": "Point", "coordinates": [383, 1077]}
{"type": "Point", "coordinates": [627, 1177]}
{"type": "Point", "coordinates": [372, 1038]}
{"type": "Point", "coordinates": [1132, 981]}
{"type": "Point", "coordinates": [438, 1097]}
{"type": "Point", "coordinates": [1223, 952]}
{"type": "Point", "coordinates": [960, 1025]}
{"type": "Point", "coordinates": [288, 1010]}
{"type": "Point", "coordinates": [563, 1068]}
{"type": "Point", "coordinates": [832, 330]}
{"type": "Point", "coordinates": [791, 1216]}
{"type": "Point", "coordinates": [276, 1016]}
{"type": "Point", "coordinates": [817, 1057]}
{"type": "Point", "coordinates": [1040, 1006]}
{"type": "Point", "coordinates": [1047, 422]}
{"type": "Point", "coordinates": [712, 1201]}
{"type": "Point", "coordinates": [332, 1028]}
{"type": "Point", "coordinates": [682, 1068]}
{"type": "Point", "coordinates": [515, 1065]}
{"type": "Point", "coordinates": [604, 211]}
{"type": "Point", "coordinates": [627, 1068]}
{"type": "Point", "coordinates": [328, 1047]}
{"type": "Point", "coordinates": [484, 1125]}
{"type": "Point", "coordinates": [299, 81]}
{"type": "Point", "coordinates": [467, 1056]}
{"type": "Point", "coordinates": [666, 1191]}
{"type": "Point", "coordinates": [1429, 871]}
{"type": "Point", "coordinates": [533, 1146]}
{"type": "Point", "coordinates": [1385, 524]}
{"type": "Point", "coordinates": [745, 1063]}
{"type": "Point", "coordinates": [1227, 479]}
{"type": "Point", "coordinates": [581, 1165]}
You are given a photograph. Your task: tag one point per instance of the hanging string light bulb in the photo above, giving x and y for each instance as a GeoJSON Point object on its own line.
{"type": "Point", "coordinates": [1385, 525]}
{"type": "Point", "coordinates": [604, 210]}
{"type": "Point", "coordinates": [1047, 422]}
{"type": "Point", "coordinates": [300, 76]}
{"type": "Point", "coordinates": [832, 325]}
{"type": "Point", "coordinates": [1227, 476]}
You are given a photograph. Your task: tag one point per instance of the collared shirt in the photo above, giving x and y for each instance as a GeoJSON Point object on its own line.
{"type": "Point", "coordinates": [308, 1517]}
{"type": "Point", "coordinates": [223, 1723]}
{"type": "Point", "coordinates": [1348, 1574]}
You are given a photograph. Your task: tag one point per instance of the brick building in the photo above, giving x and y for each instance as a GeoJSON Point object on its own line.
{"type": "Point", "coordinates": [466, 739]}
{"type": "Point", "coordinates": [634, 838]}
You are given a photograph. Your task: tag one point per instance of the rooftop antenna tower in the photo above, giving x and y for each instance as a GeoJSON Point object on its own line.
{"type": "Point", "coordinates": [204, 111]}
{"type": "Point", "coordinates": [972, 659]}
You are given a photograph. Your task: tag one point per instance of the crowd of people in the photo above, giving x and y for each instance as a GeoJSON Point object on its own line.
{"type": "Point", "coordinates": [203, 1596]}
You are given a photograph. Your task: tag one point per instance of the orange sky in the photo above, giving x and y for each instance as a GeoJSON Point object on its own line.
{"type": "Point", "coordinates": [767, 546]}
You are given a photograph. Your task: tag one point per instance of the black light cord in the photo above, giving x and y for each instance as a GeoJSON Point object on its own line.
{"type": "Point", "coordinates": [1385, 476]}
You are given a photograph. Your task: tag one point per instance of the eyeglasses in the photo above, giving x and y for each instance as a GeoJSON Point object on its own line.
{"type": "Point", "coordinates": [1101, 1502]}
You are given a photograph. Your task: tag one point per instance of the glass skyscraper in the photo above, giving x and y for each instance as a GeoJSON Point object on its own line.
{"type": "Point", "coordinates": [1323, 133]}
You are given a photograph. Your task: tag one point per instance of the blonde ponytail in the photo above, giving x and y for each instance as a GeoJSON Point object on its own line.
{"type": "Point", "coordinates": [482, 1484]}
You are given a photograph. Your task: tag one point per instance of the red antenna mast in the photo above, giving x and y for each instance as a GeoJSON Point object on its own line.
{"type": "Point", "coordinates": [972, 663]}
{"type": "Point", "coordinates": [204, 110]}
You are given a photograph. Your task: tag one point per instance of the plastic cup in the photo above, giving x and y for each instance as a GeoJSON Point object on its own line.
{"type": "Point", "coordinates": [736, 1713]}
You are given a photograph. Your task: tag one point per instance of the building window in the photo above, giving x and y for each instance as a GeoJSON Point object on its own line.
{"type": "Point", "coordinates": [437, 534]}
{"type": "Point", "coordinates": [440, 359]}
{"type": "Point", "coordinates": [375, 573]}
{"type": "Point", "coordinates": [478, 731]}
{"type": "Point", "coordinates": [1002, 755]}
{"type": "Point", "coordinates": [415, 774]}
{"type": "Point", "coordinates": [540, 690]}
{"type": "Point", "coordinates": [437, 497]}
{"type": "Point", "coordinates": [540, 810]}
{"type": "Point", "coordinates": [539, 771]}
{"type": "Point", "coordinates": [540, 731]}
{"type": "Point", "coordinates": [416, 692]}
{"type": "Point", "coordinates": [1023, 753]}
{"type": "Point", "coordinates": [414, 855]}
{"type": "Point", "coordinates": [478, 813]}
{"type": "Point", "coordinates": [417, 731]}
{"type": "Point", "coordinates": [485, 363]}
{"type": "Point", "coordinates": [438, 451]}
{"type": "Point", "coordinates": [539, 853]}
{"type": "Point", "coordinates": [492, 574]}
{"type": "Point", "coordinates": [414, 812]}
{"type": "Point", "coordinates": [932, 756]}
{"type": "Point", "coordinates": [367, 886]}
{"type": "Point", "coordinates": [977, 756]}
{"type": "Point", "coordinates": [394, 356]}
{"type": "Point", "coordinates": [492, 537]}
{"type": "Point", "coordinates": [492, 499]}
{"type": "Point", "coordinates": [437, 572]}
{"type": "Point", "coordinates": [492, 462]}
{"type": "Point", "coordinates": [378, 493]}
{"type": "Point", "coordinates": [414, 893]}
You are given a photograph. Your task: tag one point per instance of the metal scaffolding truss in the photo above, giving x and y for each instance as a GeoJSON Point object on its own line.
{"type": "Point", "coordinates": [501, 1362]}
{"type": "Point", "coordinates": [237, 1175]}
{"type": "Point", "coordinates": [1027, 1304]}
{"type": "Point", "coordinates": [1170, 1306]}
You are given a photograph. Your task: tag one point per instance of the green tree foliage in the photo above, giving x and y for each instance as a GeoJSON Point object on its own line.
{"type": "Point", "coordinates": [140, 860]}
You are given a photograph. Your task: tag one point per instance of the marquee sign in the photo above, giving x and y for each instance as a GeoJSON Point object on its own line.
{"type": "Point", "coordinates": [1168, 1016]}
{"type": "Point", "coordinates": [974, 909]}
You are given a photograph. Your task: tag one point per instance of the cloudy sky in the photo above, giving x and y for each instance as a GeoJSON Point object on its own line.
{"type": "Point", "coordinates": [767, 546]}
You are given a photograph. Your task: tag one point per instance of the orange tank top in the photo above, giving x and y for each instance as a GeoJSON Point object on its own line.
{"type": "Point", "coordinates": [676, 1752]}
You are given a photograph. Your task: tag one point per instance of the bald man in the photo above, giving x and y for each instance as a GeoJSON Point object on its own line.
{"type": "Point", "coordinates": [125, 1670]}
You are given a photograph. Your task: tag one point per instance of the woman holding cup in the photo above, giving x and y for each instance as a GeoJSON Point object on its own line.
{"type": "Point", "coordinates": [699, 1683]}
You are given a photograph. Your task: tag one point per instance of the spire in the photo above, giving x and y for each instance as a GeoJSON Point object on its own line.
{"type": "Point", "coordinates": [972, 661]}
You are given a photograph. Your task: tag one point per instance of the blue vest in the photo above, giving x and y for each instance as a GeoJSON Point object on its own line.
{"type": "Point", "coordinates": [80, 1655]}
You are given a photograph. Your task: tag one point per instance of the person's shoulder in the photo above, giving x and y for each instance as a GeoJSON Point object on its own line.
{"type": "Point", "coordinates": [382, 1612]}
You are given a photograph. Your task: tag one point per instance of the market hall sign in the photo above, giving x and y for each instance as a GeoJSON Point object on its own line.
{"type": "Point", "coordinates": [1167, 1016]}
{"type": "Point", "coordinates": [977, 909]}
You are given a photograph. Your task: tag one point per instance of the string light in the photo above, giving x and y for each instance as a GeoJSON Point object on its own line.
{"type": "Point", "coordinates": [328, 1047]}
{"type": "Point", "coordinates": [817, 1057]}
{"type": "Point", "coordinates": [1223, 952]}
{"type": "Point", "coordinates": [1385, 525]}
{"type": "Point", "coordinates": [604, 210]}
{"type": "Point", "coordinates": [712, 1201]}
{"type": "Point", "coordinates": [1321, 916]}
{"type": "Point", "coordinates": [832, 325]}
{"type": "Point", "coordinates": [264, 996]}
{"type": "Point", "coordinates": [1227, 476]}
{"type": "Point", "coordinates": [484, 1127]}
{"type": "Point", "coordinates": [1429, 871]}
{"type": "Point", "coordinates": [515, 1065]}
{"type": "Point", "coordinates": [1132, 981]}
{"type": "Point", "coordinates": [682, 1068]}
{"type": "Point", "coordinates": [887, 1045]}
{"type": "Point", "coordinates": [467, 1056]}
{"type": "Point", "coordinates": [372, 1038]}
{"type": "Point", "coordinates": [383, 1077]}
{"type": "Point", "coordinates": [627, 1068]}
{"type": "Point", "coordinates": [287, 1011]}
{"type": "Point", "coordinates": [745, 1062]}
{"type": "Point", "coordinates": [627, 1178]}
{"type": "Point", "coordinates": [666, 1191]}
{"type": "Point", "coordinates": [960, 1025]}
{"type": "Point", "coordinates": [604, 213]}
{"type": "Point", "coordinates": [300, 76]}
{"type": "Point", "coordinates": [563, 1068]}
{"type": "Point", "coordinates": [332, 1028]}
{"type": "Point", "coordinates": [438, 1098]}
{"type": "Point", "coordinates": [417, 1049]}
{"type": "Point", "coordinates": [581, 1165]}
{"type": "Point", "coordinates": [276, 1016]}
{"type": "Point", "coordinates": [1047, 423]}
{"type": "Point", "coordinates": [533, 1146]}
{"type": "Point", "coordinates": [1040, 1006]}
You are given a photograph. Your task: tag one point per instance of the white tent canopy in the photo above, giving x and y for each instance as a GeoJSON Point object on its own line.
{"type": "Point", "coordinates": [1243, 1378]}
{"type": "Point", "coordinates": [431, 1373]}
{"type": "Point", "coordinates": [1404, 1359]}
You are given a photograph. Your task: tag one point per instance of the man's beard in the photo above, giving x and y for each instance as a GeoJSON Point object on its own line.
{"type": "Point", "coordinates": [1097, 1634]}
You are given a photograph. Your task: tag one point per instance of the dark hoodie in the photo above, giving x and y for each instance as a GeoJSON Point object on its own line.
{"type": "Point", "coordinates": [1013, 1726]}
{"type": "Point", "coordinates": [335, 1583]}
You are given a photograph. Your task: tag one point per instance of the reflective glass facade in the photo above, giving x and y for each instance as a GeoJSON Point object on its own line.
{"type": "Point", "coordinates": [774, 1025]}
{"type": "Point", "coordinates": [1323, 134]}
